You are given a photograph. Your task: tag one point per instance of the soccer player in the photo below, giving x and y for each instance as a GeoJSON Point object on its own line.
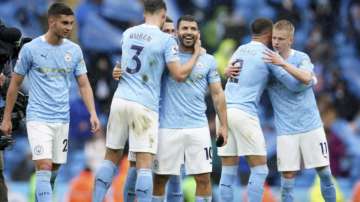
{"type": "Point", "coordinates": [169, 27]}
{"type": "Point", "coordinates": [174, 192]}
{"type": "Point", "coordinates": [242, 94]}
{"type": "Point", "coordinates": [134, 109]}
{"type": "Point", "coordinates": [301, 137]}
{"type": "Point", "coordinates": [184, 133]}
{"type": "Point", "coordinates": [49, 62]}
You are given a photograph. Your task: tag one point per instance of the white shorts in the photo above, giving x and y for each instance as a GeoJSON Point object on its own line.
{"type": "Point", "coordinates": [131, 156]}
{"type": "Point", "coordinates": [48, 140]}
{"type": "Point", "coordinates": [134, 121]}
{"type": "Point", "coordinates": [245, 136]}
{"type": "Point", "coordinates": [176, 146]}
{"type": "Point", "coordinates": [309, 148]}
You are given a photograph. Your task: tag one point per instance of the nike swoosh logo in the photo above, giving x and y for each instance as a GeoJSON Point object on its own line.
{"type": "Point", "coordinates": [225, 185]}
{"type": "Point", "coordinates": [102, 181]}
{"type": "Point", "coordinates": [144, 191]}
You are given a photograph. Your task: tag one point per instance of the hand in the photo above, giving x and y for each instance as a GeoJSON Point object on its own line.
{"type": "Point", "coordinates": [273, 58]}
{"type": "Point", "coordinates": [232, 71]}
{"type": "Point", "coordinates": [117, 71]}
{"type": "Point", "coordinates": [197, 46]}
{"type": "Point", "coordinates": [6, 127]}
{"type": "Point", "coordinates": [223, 132]}
{"type": "Point", "coordinates": [95, 123]}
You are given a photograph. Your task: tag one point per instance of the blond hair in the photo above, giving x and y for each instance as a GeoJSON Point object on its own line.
{"type": "Point", "coordinates": [285, 25]}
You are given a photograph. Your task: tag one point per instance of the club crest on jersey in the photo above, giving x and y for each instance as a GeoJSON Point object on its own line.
{"type": "Point", "coordinates": [67, 57]}
{"type": "Point", "coordinates": [199, 65]}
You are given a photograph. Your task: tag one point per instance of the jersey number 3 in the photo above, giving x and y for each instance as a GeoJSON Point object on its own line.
{"type": "Point", "coordinates": [136, 58]}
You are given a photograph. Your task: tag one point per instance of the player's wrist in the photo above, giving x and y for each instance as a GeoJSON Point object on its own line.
{"type": "Point", "coordinates": [93, 114]}
{"type": "Point", "coordinates": [284, 64]}
{"type": "Point", "coordinates": [6, 117]}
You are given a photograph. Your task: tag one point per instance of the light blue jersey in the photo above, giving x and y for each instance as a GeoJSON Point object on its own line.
{"type": "Point", "coordinates": [294, 103]}
{"type": "Point", "coordinates": [145, 52]}
{"type": "Point", "coordinates": [183, 103]}
{"type": "Point", "coordinates": [49, 70]}
{"type": "Point", "coordinates": [244, 91]}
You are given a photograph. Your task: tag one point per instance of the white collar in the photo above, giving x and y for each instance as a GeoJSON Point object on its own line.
{"type": "Point", "coordinates": [256, 42]}
{"type": "Point", "coordinates": [150, 26]}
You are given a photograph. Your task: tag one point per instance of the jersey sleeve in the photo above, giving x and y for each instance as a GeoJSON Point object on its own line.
{"type": "Point", "coordinates": [306, 64]}
{"type": "Point", "coordinates": [24, 62]}
{"type": "Point", "coordinates": [80, 66]}
{"type": "Point", "coordinates": [288, 80]}
{"type": "Point", "coordinates": [171, 50]}
{"type": "Point", "coordinates": [213, 75]}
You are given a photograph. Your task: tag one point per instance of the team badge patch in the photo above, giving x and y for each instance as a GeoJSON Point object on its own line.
{"type": "Point", "coordinates": [38, 150]}
{"type": "Point", "coordinates": [156, 164]}
{"type": "Point", "coordinates": [68, 57]}
{"type": "Point", "coordinates": [175, 49]}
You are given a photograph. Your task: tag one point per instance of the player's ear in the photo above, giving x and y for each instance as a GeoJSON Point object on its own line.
{"type": "Point", "coordinates": [51, 20]}
{"type": "Point", "coordinates": [291, 40]}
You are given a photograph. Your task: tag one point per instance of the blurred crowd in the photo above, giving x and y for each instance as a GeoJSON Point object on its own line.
{"type": "Point", "coordinates": [328, 30]}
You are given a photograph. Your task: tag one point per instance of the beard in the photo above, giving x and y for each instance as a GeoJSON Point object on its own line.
{"type": "Point", "coordinates": [187, 43]}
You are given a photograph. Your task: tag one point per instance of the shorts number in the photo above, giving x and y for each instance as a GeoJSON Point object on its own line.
{"type": "Point", "coordinates": [65, 143]}
{"type": "Point", "coordinates": [136, 59]}
{"type": "Point", "coordinates": [324, 149]}
{"type": "Point", "coordinates": [208, 153]}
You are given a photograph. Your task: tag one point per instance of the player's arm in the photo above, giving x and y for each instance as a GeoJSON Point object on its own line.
{"type": "Point", "coordinates": [11, 95]}
{"type": "Point", "coordinates": [117, 71]}
{"type": "Point", "coordinates": [285, 77]}
{"type": "Point", "coordinates": [88, 98]}
{"type": "Point", "coordinates": [234, 67]}
{"type": "Point", "coordinates": [302, 74]}
{"type": "Point", "coordinates": [218, 97]}
{"type": "Point", "coordinates": [181, 71]}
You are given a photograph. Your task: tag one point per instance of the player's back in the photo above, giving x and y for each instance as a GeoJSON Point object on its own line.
{"type": "Point", "coordinates": [294, 111]}
{"type": "Point", "coordinates": [244, 91]}
{"type": "Point", "coordinates": [145, 52]}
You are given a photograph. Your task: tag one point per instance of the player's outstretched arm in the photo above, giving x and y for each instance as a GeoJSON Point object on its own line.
{"type": "Point", "coordinates": [15, 83]}
{"type": "Point", "coordinates": [181, 72]}
{"type": "Point", "coordinates": [88, 98]}
{"type": "Point", "coordinates": [303, 75]}
{"type": "Point", "coordinates": [218, 97]}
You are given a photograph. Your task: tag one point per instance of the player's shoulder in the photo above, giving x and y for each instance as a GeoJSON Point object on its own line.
{"type": "Point", "coordinates": [300, 54]}
{"type": "Point", "coordinates": [68, 42]}
{"type": "Point", "coordinates": [208, 57]}
{"type": "Point", "coordinates": [70, 45]}
{"type": "Point", "coordinates": [36, 42]}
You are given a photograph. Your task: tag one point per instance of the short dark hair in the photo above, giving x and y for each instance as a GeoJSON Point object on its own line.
{"type": "Point", "coordinates": [152, 6]}
{"type": "Point", "coordinates": [59, 9]}
{"type": "Point", "coordinates": [188, 18]}
{"type": "Point", "coordinates": [260, 26]}
{"type": "Point", "coordinates": [169, 20]}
